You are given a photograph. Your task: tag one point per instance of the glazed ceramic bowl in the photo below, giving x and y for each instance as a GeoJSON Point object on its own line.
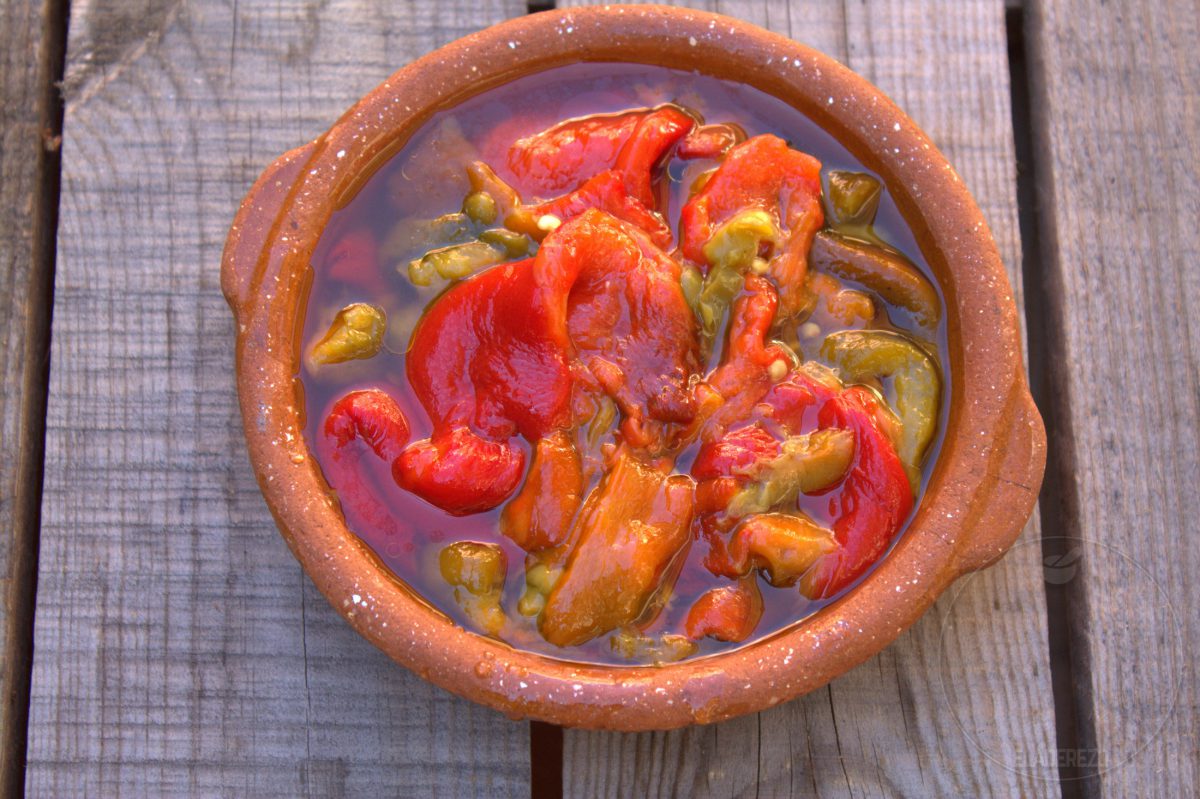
{"type": "Point", "coordinates": [982, 488]}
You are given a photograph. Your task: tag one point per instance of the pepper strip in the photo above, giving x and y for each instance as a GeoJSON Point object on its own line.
{"type": "Point", "coordinates": [633, 143]}
{"type": "Point", "coordinates": [493, 357]}
{"type": "Point", "coordinates": [369, 417]}
{"type": "Point", "coordinates": [874, 500]}
{"type": "Point", "coordinates": [761, 173]}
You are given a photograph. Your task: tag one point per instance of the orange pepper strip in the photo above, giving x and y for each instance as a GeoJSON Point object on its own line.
{"type": "Point", "coordinates": [728, 613]}
{"type": "Point", "coordinates": [631, 530]}
{"type": "Point", "coordinates": [539, 517]}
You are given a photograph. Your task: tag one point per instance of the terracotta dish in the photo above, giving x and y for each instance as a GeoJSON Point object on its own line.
{"type": "Point", "coordinates": [982, 488]}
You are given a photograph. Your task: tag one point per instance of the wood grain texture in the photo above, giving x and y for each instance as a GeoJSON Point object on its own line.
{"type": "Point", "coordinates": [30, 116]}
{"type": "Point", "coordinates": [961, 704]}
{"type": "Point", "coordinates": [1117, 117]}
{"type": "Point", "coordinates": [179, 648]}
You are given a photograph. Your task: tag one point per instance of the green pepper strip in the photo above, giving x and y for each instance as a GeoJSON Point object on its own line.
{"type": "Point", "coordinates": [477, 573]}
{"type": "Point", "coordinates": [357, 332]}
{"type": "Point", "coordinates": [454, 263]}
{"type": "Point", "coordinates": [887, 274]}
{"type": "Point", "coordinates": [730, 252]}
{"type": "Point", "coordinates": [807, 463]}
{"type": "Point", "coordinates": [861, 355]}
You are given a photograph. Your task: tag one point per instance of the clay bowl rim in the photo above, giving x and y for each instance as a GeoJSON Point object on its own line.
{"type": "Point", "coordinates": [982, 488]}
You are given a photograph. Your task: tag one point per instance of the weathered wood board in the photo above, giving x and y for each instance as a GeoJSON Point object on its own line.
{"type": "Point", "coordinates": [961, 705]}
{"type": "Point", "coordinates": [179, 648]}
{"type": "Point", "coordinates": [1117, 138]}
{"type": "Point", "coordinates": [26, 246]}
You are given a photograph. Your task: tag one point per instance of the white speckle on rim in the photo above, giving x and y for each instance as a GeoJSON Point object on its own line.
{"type": "Point", "coordinates": [692, 41]}
{"type": "Point", "coordinates": [829, 101]}
{"type": "Point", "coordinates": [341, 153]}
{"type": "Point", "coordinates": [512, 45]}
{"type": "Point", "coordinates": [355, 598]}
{"type": "Point", "coordinates": [896, 126]}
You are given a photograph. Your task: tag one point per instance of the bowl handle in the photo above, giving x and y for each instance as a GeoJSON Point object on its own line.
{"type": "Point", "coordinates": [995, 524]}
{"type": "Point", "coordinates": [257, 214]}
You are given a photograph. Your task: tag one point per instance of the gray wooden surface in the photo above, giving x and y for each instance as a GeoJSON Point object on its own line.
{"type": "Point", "coordinates": [1117, 131]}
{"type": "Point", "coordinates": [179, 649]}
{"type": "Point", "coordinates": [27, 148]}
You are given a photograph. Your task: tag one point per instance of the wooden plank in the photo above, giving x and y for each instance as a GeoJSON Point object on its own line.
{"type": "Point", "coordinates": [961, 704]}
{"type": "Point", "coordinates": [1118, 174]}
{"type": "Point", "coordinates": [30, 116]}
{"type": "Point", "coordinates": [179, 648]}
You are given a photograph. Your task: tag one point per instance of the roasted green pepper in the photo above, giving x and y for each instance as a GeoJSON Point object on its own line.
{"type": "Point", "coordinates": [409, 237]}
{"type": "Point", "coordinates": [454, 263]}
{"type": "Point", "coordinates": [477, 573]}
{"type": "Point", "coordinates": [861, 355]}
{"type": "Point", "coordinates": [357, 332]}
{"type": "Point", "coordinates": [737, 242]}
{"type": "Point", "coordinates": [806, 463]}
{"type": "Point", "coordinates": [666, 648]}
{"type": "Point", "coordinates": [852, 198]}
{"type": "Point", "coordinates": [882, 271]}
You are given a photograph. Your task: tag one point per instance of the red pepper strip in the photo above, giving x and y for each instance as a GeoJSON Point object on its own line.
{"type": "Point", "coordinates": [561, 156]}
{"type": "Point", "coordinates": [460, 472]}
{"type": "Point", "coordinates": [761, 173]}
{"type": "Point", "coordinates": [744, 374]}
{"type": "Point", "coordinates": [606, 192]}
{"type": "Point", "coordinates": [491, 358]}
{"type": "Point", "coordinates": [728, 613]}
{"type": "Point", "coordinates": [565, 155]}
{"type": "Point", "coordinates": [628, 319]}
{"type": "Point", "coordinates": [491, 355]}
{"type": "Point", "coordinates": [354, 259]}
{"type": "Point", "coordinates": [714, 529]}
{"type": "Point", "coordinates": [654, 136]}
{"type": "Point", "coordinates": [710, 141]}
{"type": "Point", "coordinates": [735, 452]}
{"type": "Point", "coordinates": [374, 419]}
{"type": "Point", "coordinates": [630, 531]}
{"type": "Point", "coordinates": [793, 402]}
{"type": "Point", "coordinates": [874, 500]}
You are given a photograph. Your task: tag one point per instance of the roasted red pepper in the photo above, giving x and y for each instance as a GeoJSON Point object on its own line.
{"type": "Point", "coordinates": [710, 141]}
{"type": "Point", "coordinates": [655, 134]}
{"type": "Point", "coordinates": [761, 173]}
{"type": "Point", "coordinates": [629, 322]}
{"type": "Point", "coordinates": [493, 356]}
{"type": "Point", "coordinates": [632, 142]}
{"type": "Point", "coordinates": [488, 361]}
{"type": "Point", "coordinates": [362, 420]}
{"type": "Point", "coordinates": [874, 500]}
{"type": "Point", "coordinates": [492, 353]}
{"type": "Point", "coordinates": [540, 516]}
{"type": "Point", "coordinates": [736, 451]}
{"type": "Point", "coordinates": [727, 613]}
{"type": "Point", "coordinates": [745, 373]}
{"type": "Point", "coordinates": [606, 192]}
{"type": "Point", "coordinates": [460, 472]}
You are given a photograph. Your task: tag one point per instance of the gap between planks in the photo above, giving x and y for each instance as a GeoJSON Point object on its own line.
{"type": "Point", "coordinates": [1073, 711]}
{"type": "Point", "coordinates": [32, 392]}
